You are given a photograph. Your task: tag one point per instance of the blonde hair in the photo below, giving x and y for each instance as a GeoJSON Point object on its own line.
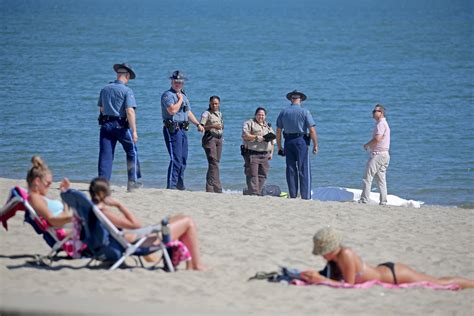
{"type": "Point", "coordinates": [38, 170]}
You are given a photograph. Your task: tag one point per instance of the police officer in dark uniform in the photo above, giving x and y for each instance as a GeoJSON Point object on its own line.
{"type": "Point", "coordinates": [176, 113]}
{"type": "Point", "coordinates": [117, 120]}
{"type": "Point", "coordinates": [295, 122]}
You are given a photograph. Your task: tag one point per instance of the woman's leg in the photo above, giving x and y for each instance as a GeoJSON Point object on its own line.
{"type": "Point", "coordinates": [263, 168]}
{"type": "Point", "coordinates": [253, 186]}
{"type": "Point", "coordinates": [213, 183]}
{"type": "Point", "coordinates": [218, 185]}
{"type": "Point", "coordinates": [406, 274]}
{"type": "Point", "coordinates": [184, 229]}
{"type": "Point", "coordinates": [209, 175]}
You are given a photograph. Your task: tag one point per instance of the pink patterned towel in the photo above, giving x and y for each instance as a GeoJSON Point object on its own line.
{"type": "Point", "coordinates": [178, 252]}
{"type": "Point", "coordinates": [369, 284]}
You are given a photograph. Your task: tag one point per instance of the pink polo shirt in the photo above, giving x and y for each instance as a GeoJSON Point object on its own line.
{"type": "Point", "coordinates": [382, 128]}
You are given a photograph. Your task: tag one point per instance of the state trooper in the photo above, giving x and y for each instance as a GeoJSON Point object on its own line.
{"type": "Point", "coordinates": [117, 123]}
{"type": "Point", "coordinates": [176, 113]}
{"type": "Point", "coordinates": [257, 149]}
{"type": "Point", "coordinates": [295, 122]}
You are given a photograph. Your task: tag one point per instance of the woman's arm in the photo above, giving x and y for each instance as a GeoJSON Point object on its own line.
{"type": "Point", "coordinates": [194, 120]}
{"type": "Point", "coordinates": [41, 207]}
{"type": "Point", "coordinates": [127, 221]}
{"type": "Point", "coordinates": [313, 277]}
{"type": "Point", "coordinates": [347, 263]}
{"type": "Point", "coordinates": [65, 185]}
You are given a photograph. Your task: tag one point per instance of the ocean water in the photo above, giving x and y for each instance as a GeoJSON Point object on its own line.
{"type": "Point", "coordinates": [415, 57]}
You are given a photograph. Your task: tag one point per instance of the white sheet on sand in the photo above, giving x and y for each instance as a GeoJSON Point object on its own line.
{"type": "Point", "coordinates": [348, 194]}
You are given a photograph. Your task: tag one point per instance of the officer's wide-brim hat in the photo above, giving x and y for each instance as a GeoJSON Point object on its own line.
{"type": "Point", "coordinates": [120, 67]}
{"type": "Point", "coordinates": [298, 93]}
{"type": "Point", "coordinates": [178, 76]}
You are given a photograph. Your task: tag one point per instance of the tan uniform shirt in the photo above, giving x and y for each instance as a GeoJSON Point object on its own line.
{"type": "Point", "coordinates": [212, 118]}
{"type": "Point", "coordinates": [253, 128]}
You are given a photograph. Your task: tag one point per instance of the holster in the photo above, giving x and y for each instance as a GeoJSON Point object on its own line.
{"type": "Point", "coordinates": [243, 150]}
{"type": "Point", "coordinates": [185, 125]}
{"type": "Point", "coordinates": [307, 139]}
{"type": "Point", "coordinates": [171, 126]}
{"type": "Point", "coordinates": [102, 119]}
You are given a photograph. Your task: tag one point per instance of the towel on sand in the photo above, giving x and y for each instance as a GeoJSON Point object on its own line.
{"type": "Point", "coordinates": [369, 284]}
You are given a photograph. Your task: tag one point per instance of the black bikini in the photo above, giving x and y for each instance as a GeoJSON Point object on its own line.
{"type": "Point", "coordinates": [333, 272]}
{"type": "Point", "coordinates": [391, 266]}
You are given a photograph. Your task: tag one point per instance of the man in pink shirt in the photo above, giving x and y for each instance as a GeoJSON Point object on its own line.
{"type": "Point", "coordinates": [379, 157]}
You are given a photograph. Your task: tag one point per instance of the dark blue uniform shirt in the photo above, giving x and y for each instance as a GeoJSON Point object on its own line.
{"type": "Point", "coordinates": [295, 119]}
{"type": "Point", "coordinates": [169, 98]}
{"type": "Point", "coordinates": [116, 97]}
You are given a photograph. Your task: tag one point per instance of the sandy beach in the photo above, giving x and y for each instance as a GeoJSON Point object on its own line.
{"type": "Point", "coordinates": [239, 236]}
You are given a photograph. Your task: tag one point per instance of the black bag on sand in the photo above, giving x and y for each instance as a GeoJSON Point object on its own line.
{"type": "Point", "coordinates": [271, 190]}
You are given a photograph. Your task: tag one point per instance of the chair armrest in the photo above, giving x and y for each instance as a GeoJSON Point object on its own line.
{"type": "Point", "coordinates": [143, 231]}
{"type": "Point", "coordinates": [65, 226]}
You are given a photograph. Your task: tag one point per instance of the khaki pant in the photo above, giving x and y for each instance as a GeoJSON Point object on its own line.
{"type": "Point", "coordinates": [376, 167]}
{"type": "Point", "coordinates": [213, 148]}
{"type": "Point", "coordinates": [256, 169]}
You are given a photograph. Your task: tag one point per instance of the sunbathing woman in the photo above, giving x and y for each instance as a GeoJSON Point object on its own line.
{"type": "Point", "coordinates": [182, 227]}
{"type": "Point", "coordinates": [39, 179]}
{"type": "Point", "coordinates": [327, 242]}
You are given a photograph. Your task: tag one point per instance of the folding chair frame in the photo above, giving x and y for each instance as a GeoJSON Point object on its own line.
{"type": "Point", "coordinates": [118, 235]}
{"type": "Point", "coordinates": [16, 197]}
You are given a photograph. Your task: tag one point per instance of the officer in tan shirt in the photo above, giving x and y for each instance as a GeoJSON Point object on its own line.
{"type": "Point", "coordinates": [213, 124]}
{"type": "Point", "coordinates": [257, 149]}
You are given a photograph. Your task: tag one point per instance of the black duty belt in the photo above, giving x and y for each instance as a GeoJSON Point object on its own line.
{"type": "Point", "coordinates": [254, 152]}
{"type": "Point", "coordinates": [293, 135]}
{"type": "Point", "coordinates": [173, 125]}
{"type": "Point", "coordinates": [179, 124]}
{"type": "Point", "coordinates": [208, 133]}
{"type": "Point", "coordinates": [109, 118]}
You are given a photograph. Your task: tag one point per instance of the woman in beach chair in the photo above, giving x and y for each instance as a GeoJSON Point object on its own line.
{"type": "Point", "coordinates": [183, 228]}
{"type": "Point", "coordinates": [48, 216]}
{"type": "Point", "coordinates": [327, 243]}
{"type": "Point", "coordinates": [39, 179]}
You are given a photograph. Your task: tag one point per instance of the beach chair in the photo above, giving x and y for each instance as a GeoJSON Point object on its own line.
{"type": "Point", "coordinates": [104, 240]}
{"type": "Point", "coordinates": [55, 237]}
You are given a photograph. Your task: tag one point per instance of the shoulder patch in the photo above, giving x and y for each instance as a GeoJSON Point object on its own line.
{"type": "Point", "coordinates": [166, 97]}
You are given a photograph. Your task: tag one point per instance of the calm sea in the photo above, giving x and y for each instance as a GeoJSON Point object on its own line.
{"type": "Point", "coordinates": [415, 57]}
